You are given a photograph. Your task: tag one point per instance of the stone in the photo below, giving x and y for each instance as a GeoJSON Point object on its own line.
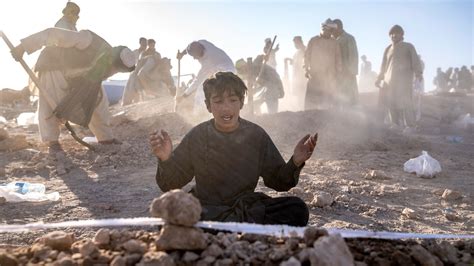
{"type": "Point", "coordinates": [152, 258]}
{"type": "Point", "coordinates": [7, 259]}
{"type": "Point", "coordinates": [323, 199]}
{"type": "Point", "coordinates": [277, 254]}
{"type": "Point", "coordinates": [410, 214]}
{"type": "Point", "coordinates": [451, 195]}
{"type": "Point", "coordinates": [422, 256]}
{"type": "Point", "coordinates": [14, 143]}
{"type": "Point", "coordinates": [133, 259]}
{"type": "Point", "coordinates": [2, 200]}
{"type": "Point", "coordinates": [3, 134]}
{"type": "Point", "coordinates": [190, 256]}
{"type": "Point", "coordinates": [213, 250]}
{"type": "Point", "coordinates": [177, 207]}
{"type": "Point", "coordinates": [174, 237]}
{"type": "Point", "coordinates": [86, 248]}
{"type": "Point", "coordinates": [376, 175]}
{"type": "Point", "coordinates": [311, 234]}
{"type": "Point", "coordinates": [58, 240]}
{"type": "Point", "coordinates": [118, 261]}
{"type": "Point", "coordinates": [102, 237]}
{"type": "Point", "coordinates": [330, 250]}
{"type": "Point", "coordinates": [134, 246]}
{"type": "Point", "coordinates": [66, 261]}
{"type": "Point", "coordinates": [292, 261]}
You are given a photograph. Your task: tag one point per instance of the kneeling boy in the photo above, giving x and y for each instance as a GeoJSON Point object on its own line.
{"type": "Point", "coordinates": [227, 155]}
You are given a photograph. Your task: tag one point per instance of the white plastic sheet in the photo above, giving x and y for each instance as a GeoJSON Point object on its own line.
{"type": "Point", "coordinates": [26, 119]}
{"type": "Point", "coordinates": [31, 196]}
{"type": "Point", "coordinates": [424, 166]}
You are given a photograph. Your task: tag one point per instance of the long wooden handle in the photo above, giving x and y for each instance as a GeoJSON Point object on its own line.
{"type": "Point", "coordinates": [30, 73]}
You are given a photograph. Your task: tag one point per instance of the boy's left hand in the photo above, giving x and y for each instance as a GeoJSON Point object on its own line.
{"type": "Point", "coordinates": [304, 149]}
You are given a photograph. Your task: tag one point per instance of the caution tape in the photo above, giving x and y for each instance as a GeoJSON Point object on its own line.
{"type": "Point", "coordinates": [270, 230]}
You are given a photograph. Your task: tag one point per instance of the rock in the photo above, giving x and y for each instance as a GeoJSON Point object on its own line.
{"type": "Point", "coordinates": [177, 207]}
{"type": "Point", "coordinates": [7, 259]}
{"type": "Point", "coordinates": [292, 261]}
{"type": "Point", "coordinates": [58, 240]}
{"type": "Point", "coordinates": [3, 134]}
{"type": "Point", "coordinates": [14, 143]}
{"type": "Point", "coordinates": [446, 252]}
{"type": "Point", "coordinates": [133, 259]}
{"type": "Point", "coordinates": [66, 261]}
{"type": "Point", "coordinates": [311, 234]}
{"type": "Point", "coordinates": [173, 237]}
{"type": "Point", "coordinates": [376, 175]}
{"type": "Point", "coordinates": [410, 214]}
{"type": "Point", "coordinates": [85, 248]}
{"type": "Point", "coordinates": [323, 199]}
{"type": "Point", "coordinates": [135, 246]}
{"type": "Point", "coordinates": [190, 256]}
{"type": "Point", "coordinates": [277, 254]}
{"type": "Point", "coordinates": [451, 195]}
{"type": "Point", "coordinates": [213, 250]}
{"type": "Point", "coordinates": [422, 256]}
{"type": "Point", "coordinates": [102, 237]}
{"type": "Point", "coordinates": [451, 215]}
{"type": "Point", "coordinates": [330, 250]}
{"type": "Point", "coordinates": [152, 258]}
{"type": "Point", "coordinates": [2, 200]}
{"type": "Point", "coordinates": [119, 261]}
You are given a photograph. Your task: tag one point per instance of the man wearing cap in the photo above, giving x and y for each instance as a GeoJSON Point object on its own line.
{"type": "Point", "coordinates": [323, 64]}
{"type": "Point", "coordinates": [70, 74]}
{"type": "Point", "coordinates": [269, 87]}
{"type": "Point", "coordinates": [212, 60]}
{"type": "Point", "coordinates": [400, 64]}
{"type": "Point", "coordinates": [347, 82]}
{"type": "Point", "coordinates": [70, 16]}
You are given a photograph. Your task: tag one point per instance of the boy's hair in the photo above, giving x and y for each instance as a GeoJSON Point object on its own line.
{"type": "Point", "coordinates": [222, 82]}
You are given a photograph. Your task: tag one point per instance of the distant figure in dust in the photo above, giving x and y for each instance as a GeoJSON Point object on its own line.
{"type": "Point", "coordinates": [347, 82]}
{"type": "Point", "coordinates": [367, 76]}
{"type": "Point", "coordinates": [399, 67]}
{"type": "Point", "coordinates": [323, 65]}
{"type": "Point", "coordinates": [298, 79]}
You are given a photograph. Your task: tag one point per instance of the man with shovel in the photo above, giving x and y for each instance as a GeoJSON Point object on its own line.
{"type": "Point", "coordinates": [212, 60]}
{"type": "Point", "coordinates": [70, 72]}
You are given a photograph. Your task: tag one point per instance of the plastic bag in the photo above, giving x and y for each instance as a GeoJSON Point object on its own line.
{"type": "Point", "coordinates": [26, 119]}
{"type": "Point", "coordinates": [12, 196]}
{"type": "Point", "coordinates": [423, 166]}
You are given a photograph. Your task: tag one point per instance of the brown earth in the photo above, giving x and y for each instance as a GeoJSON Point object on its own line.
{"type": "Point", "coordinates": [358, 162]}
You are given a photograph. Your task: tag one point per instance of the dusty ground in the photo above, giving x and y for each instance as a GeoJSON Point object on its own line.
{"type": "Point", "coordinates": [118, 180]}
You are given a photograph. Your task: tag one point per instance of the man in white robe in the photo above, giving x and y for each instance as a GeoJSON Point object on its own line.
{"type": "Point", "coordinates": [212, 60]}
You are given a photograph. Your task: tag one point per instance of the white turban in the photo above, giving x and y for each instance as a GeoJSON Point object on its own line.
{"type": "Point", "coordinates": [127, 57]}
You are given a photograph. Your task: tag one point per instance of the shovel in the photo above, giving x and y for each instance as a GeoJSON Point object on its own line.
{"type": "Point", "coordinates": [35, 80]}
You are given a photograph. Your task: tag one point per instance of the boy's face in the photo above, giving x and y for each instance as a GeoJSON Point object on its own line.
{"type": "Point", "coordinates": [226, 110]}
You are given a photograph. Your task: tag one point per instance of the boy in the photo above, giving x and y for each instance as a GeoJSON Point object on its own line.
{"type": "Point", "coordinates": [227, 155]}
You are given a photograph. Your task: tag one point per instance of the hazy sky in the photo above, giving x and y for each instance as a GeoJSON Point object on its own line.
{"type": "Point", "coordinates": [442, 31]}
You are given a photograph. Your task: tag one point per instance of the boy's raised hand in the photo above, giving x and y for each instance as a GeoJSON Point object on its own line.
{"type": "Point", "coordinates": [304, 149]}
{"type": "Point", "coordinates": [161, 144]}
